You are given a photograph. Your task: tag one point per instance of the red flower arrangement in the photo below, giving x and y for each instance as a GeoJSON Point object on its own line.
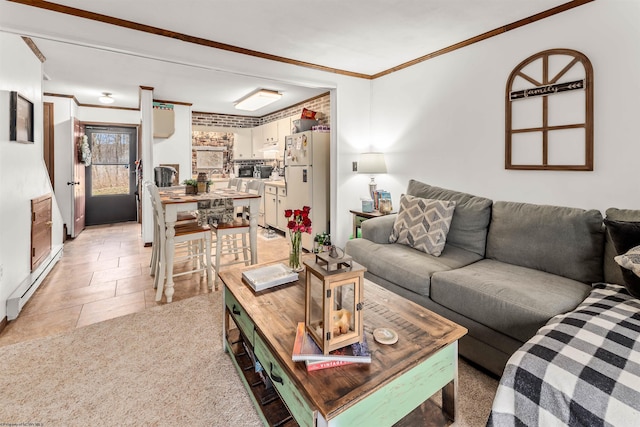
{"type": "Point", "coordinates": [298, 223]}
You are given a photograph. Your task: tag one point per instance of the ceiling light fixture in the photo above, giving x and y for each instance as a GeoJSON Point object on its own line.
{"type": "Point", "coordinates": [106, 98]}
{"type": "Point", "coordinates": [258, 99]}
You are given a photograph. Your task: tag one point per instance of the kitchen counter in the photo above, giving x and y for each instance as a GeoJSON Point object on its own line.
{"type": "Point", "coordinates": [279, 183]}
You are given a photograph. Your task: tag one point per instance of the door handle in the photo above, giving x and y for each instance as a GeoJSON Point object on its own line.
{"type": "Point", "coordinates": [73, 183]}
{"type": "Point", "coordinates": [273, 376]}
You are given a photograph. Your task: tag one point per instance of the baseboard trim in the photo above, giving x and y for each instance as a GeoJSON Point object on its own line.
{"type": "Point", "coordinates": [30, 284]}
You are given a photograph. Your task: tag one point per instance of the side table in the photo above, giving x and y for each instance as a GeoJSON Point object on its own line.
{"type": "Point", "coordinates": [358, 217]}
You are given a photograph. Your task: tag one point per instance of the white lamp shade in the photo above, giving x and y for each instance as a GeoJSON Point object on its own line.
{"type": "Point", "coordinates": [372, 163]}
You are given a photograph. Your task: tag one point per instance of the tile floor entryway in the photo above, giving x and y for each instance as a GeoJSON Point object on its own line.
{"type": "Point", "coordinates": [104, 273]}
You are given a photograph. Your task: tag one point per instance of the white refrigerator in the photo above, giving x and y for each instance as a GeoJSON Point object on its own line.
{"type": "Point", "coordinates": [306, 156]}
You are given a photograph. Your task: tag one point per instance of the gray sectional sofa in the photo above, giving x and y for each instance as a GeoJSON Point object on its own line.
{"type": "Point", "coordinates": [506, 268]}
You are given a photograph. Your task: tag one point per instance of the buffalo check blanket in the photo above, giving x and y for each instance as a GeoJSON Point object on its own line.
{"type": "Point", "coordinates": [581, 369]}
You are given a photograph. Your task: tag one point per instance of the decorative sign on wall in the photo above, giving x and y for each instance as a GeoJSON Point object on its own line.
{"type": "Point", "coordinates": [547, 90]}
{"type": "Point", "coordinates": [549, 113]}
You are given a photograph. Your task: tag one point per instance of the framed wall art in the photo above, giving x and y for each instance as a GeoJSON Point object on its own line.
{"type": "Point", "coordinates": [20, 119]}
{"type": "Point", "coordinates": [549, 113]}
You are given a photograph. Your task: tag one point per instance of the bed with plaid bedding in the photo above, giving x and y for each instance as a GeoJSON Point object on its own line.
{"type": "Point", "coordinates": [581, 369]}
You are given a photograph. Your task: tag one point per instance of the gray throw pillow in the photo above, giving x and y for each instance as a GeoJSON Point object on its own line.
{"type": "Point", "coordinates": [423, 224]}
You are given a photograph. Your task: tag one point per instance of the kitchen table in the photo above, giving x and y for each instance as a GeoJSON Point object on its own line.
{"type": "Point", "coordinates": [174, 201]}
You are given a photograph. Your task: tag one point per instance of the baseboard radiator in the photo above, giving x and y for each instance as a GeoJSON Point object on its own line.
{"type": "Point", "coordinates": [30, 284]}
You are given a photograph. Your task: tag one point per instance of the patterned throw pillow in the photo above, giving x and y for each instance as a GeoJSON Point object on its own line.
{"type": "Point", "coordinates": [630, 260]}
{"type": "Point", "coordinates": [423, 224]}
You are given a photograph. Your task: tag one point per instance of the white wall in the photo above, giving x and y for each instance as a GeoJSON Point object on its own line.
{"type": "Point", "coordinates": [176, 148]}
{"type": "Point", "coordinates": [114, 116]}
{"type": "Point", "coordinates": [23, 175]}
{"type": "Point", "coordinates": [442, 121]}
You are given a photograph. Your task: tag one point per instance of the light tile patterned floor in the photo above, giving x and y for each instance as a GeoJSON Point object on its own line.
{"type": "Point", "coordinates": [104, 273]}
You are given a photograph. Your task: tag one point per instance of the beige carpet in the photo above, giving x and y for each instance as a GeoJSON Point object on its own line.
{"type": "Point", "coordinates": [163, 367]}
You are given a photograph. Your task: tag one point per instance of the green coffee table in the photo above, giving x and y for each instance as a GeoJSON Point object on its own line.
{"type": "Point", "coordinates": [399, 379]}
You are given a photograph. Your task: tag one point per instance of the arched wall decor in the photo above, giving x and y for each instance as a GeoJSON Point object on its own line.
{"type": "Point", "coordinates": [549, 113]}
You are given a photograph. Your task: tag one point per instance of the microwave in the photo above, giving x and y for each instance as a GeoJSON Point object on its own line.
{"type": "Point", "coordinates": [245, 172]}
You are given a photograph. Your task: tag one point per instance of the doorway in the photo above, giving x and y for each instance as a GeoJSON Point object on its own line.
{"type": "Point", "coordinates": [111, 178]}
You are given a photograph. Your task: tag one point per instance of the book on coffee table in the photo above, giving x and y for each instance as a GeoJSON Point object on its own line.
{"type": "Point", "coordinates": [269, 276]}
{"type": "Point", "coordinates": [306, 350]}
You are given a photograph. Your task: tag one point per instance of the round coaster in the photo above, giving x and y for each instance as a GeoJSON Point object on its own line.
{"type": "Point", "coordinates": [385, 336]}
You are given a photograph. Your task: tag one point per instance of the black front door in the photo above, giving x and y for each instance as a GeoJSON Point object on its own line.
{"type": "Point", "coordinates": [110, 180]}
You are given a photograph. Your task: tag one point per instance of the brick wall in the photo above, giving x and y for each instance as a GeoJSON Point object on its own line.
{"type": "Point", "coordinates": [223, 120]}
{"type": "Point", "coordinates": [320, 105]}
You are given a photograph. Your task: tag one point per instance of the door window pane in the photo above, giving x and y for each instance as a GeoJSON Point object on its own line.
{"type": "Point", "coordinates": [110, 148]}
{"type": "Point", "coordinates": [109, 180]}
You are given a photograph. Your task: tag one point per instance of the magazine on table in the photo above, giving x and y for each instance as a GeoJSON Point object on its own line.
{"type": "Point", "coordinates": [269, 276]}
{"type": "Point", "coordinates": [305, 349]}
{"type": "Point", "coordinates": [316, 365]}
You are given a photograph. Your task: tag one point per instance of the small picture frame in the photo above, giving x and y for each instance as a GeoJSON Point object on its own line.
{"type": "Point", "coordinates": [20, 119]}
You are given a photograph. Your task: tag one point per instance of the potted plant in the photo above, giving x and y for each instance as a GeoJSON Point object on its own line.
{"type": "Point", "coordinates": [191, 186]}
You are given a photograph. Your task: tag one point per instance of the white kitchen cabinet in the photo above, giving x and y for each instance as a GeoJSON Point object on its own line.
{"type": "Point", "coordinates": [270, 205]}
{"type": "Point", "coordinates": [257, 142]}
{"type": "Point", "coordinates": [242, 144]}
{"type": "Point", "coordinates": [270, 133]}
{"type": "Point", "coordinates": [275, 202]}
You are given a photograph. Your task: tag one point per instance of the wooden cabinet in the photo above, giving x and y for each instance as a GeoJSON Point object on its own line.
{"type": "Point", "coordinates": [275, 202]}
{"type": "Point", "coordinates": [40, 229]}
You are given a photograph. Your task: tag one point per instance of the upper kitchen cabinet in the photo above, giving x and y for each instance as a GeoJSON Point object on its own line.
{"type": "Point", "coordinates": [257, 142]}
{"type": "Point", "coordinates": [242, 146]}
{"type": "Point", "coordinates": [270, 133]}
{"type": "Point", "coordinates": [267, 141]}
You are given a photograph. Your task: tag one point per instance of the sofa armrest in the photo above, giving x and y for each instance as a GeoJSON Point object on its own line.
{"type": "Point", "coordinates": [378, 229]}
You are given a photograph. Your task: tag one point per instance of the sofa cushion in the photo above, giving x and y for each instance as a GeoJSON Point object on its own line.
{"type": "Point", "coordinates": [559, 240]}
{"type": "Point", "coordinates": [423, 224]}
{"type": "Point", "coordinates": [470, 220]}
{"type": "Point", "coordinates": [404, 266]}
{"type": "Point", "coordinates": [379, 228]}
{"type": "Point", "coordinates": [612, 271]}
{"type": "Point", "coordinates": [625, 236]}
{"type": "Point", "coordinates": [508, 298]}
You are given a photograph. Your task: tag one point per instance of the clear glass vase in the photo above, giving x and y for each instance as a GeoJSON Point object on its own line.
{"type": "Point", "coordinates": [295, 252]}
